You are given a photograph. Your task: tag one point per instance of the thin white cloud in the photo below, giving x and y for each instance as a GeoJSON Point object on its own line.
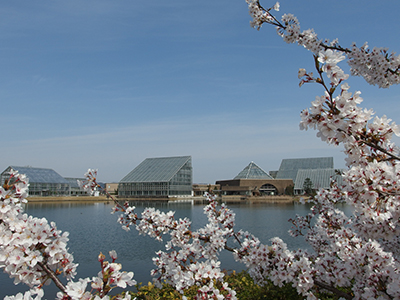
{"type": "Point", "coordinates": [124, 80]}
{"type": "Point", "coordinates": [219, 144]}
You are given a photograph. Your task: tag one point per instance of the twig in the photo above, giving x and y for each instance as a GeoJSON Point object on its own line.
{"type": "Point", "coordinates": [52, 276]}
{"type": "Point", "coordinates": [333, 290]}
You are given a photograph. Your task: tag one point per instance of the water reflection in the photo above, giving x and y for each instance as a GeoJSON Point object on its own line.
{"type": "Point", "coordinates": [94, 229]}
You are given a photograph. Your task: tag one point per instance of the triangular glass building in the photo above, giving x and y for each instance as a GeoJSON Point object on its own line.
{"type": "Point", "coordinates": [252, 171]}
{"type": "Point", "coordinates": [42, 182]}
{"type": "Point", "coordinates": [161, 176]}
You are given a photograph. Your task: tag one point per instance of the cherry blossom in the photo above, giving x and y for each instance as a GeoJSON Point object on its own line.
{"type": "Point", "coordinates": [357, 252]}
{"type": "Point", "coordinates": [89, 184]}
{"type": "Point", "coordinates": [378, 66]}
{"type": "Point", "coordinates": [353, 257]}
{"type": "Point", "coordinates": [34, 252]}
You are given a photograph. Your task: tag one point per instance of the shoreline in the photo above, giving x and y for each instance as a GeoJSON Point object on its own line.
{"type": "Point", "coordinates": [69, 199]}
{"type": "Point", "coordinates": [260, 199]}
{"type": "Point", "coordinates": [195, 199]}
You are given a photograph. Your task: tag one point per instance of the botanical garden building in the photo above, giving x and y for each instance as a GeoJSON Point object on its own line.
{"type": "Point", "coordinates": [157, 177]}
{"type": "Point", "coordinates": [42, 182]}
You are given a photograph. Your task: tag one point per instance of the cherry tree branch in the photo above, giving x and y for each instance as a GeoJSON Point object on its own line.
{"type": "Point", "coordinates": [373, 145]}
{"type": "Point", "coordinates": [333, 290]}
{"type": "Point", "coordinates": [50, 273]}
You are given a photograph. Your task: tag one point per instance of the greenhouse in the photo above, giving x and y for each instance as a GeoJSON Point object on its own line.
{"type": "Point", "coordinates": [290, 167]}
{"type": "Point", "coordinates": [320, 178]}
{"type": "Point", "coordinates": [159, 177]}
{"type": "Point", "coordinates": [42, 182]}
{"type": "Point", "coordinates": [253, 181]}
{"type": "Point", "coordinates": [252, 171]}
{"type": "Point", "coordinates": [74, 188]}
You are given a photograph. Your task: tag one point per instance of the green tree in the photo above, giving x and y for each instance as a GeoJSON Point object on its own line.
{"type": "Point", "coordinates": [308, 187]}
{"type": "Point", "coordinates": [289, 190]}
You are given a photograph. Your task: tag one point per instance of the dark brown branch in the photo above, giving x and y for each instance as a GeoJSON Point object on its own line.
{"type": "Point", "coordinates": [337, 47]}
{"type": "Point", "coordinates": [275, 22]}
{"type": "Point", "coordinates": [332, 289]}
{"type": "Point", "coordinates": [280, 25]}
{"type": "Point", "coordinates": [374, 146]}
{"type": "Point", "coordinates": [380, 149]}
{"type": "Point", "coordinates": [322, 82]}
{"type": "Point", "coordinates": [394, 71]}
{"type": "Point", "coordinates": [50, 273]}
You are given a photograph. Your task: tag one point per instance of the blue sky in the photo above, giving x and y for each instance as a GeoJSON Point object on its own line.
{"type": "Point", "coordinates": [106, 84]}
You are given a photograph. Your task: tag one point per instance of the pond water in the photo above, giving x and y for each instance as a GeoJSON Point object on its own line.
{"type": "Point", "coordinates": [93, 229]}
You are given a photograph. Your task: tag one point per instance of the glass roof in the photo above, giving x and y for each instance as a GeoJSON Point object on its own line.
{"type": "Point", "coordinates": [40, 175]}
{"type": "Point", "coordinates": [252, 171]}
{"type": "Point", "coordinates": [160, 169]}
{"type": "Point", "coordinates": [321, 178]}
{"type": "Point", "coordinates": [290, 166]}
{"type": "Point", "coordinates": [73, 182]}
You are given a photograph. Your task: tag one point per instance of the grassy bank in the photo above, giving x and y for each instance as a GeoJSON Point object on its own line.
{"type": "Point", "coordinates": [71, 198]}
{"type": "Point", "coordinates": [241, 282]}
{"type": "Point", "coordinates": [260, 199]}
{"type": "Point", "coordinates": [227, 199]}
